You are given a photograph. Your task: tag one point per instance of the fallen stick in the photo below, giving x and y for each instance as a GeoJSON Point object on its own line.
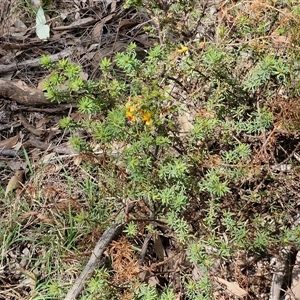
{"type": "Point", "coordinates": [34, 62]}
{"type": "Point", "coordinates": [283, 268]}
{"type": "Point", "coordinates": [10, 125]}
{"type": "Point", "coordinates": [33, 142]}
{"type": "Point", "coordinates": [29, 127]}
{"type": "Point", "coordinates": [94, 260]}
{"type": "Point", "coordinates": [10, 152]}
{"type": "Point", "coordinates": [21, 94]}
{"type": "Point", "coordinates": [58, 108]}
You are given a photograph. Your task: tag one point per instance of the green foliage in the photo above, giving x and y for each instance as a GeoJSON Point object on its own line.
{"type": "Point", "coordinates": [46, 62]}
{"type": "Point", "coordinates": [99, 287]}
{"type": "Point", "coordinates": [146, 292]}
{"type": "Point", "coordinates": [200, 289]}
{"type": "Point", "coordinates": [131, 229]}
{"type": "Point", "coordinates": [66, 123]}
{"type": "Point", "coordinates": [129, 3]}
{"type": "Point", "coordinates": [213, 184]}
{"type": "Point", "coordinates": [271, 68]}
{"type": "Point", "coordinates": [178, 126]}
{"type": "Point", "coordinates": [67, 82]}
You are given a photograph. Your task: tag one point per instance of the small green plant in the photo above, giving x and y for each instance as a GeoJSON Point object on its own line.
{"type": "Point", "coordinates": [131, 229]}
{"type": "Point", "coordinates": [99, 287]}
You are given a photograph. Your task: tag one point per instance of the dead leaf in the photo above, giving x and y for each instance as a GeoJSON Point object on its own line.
{"type": "Point", "coordinates": [28, 126]}
{"type": "Point", "coordinates": [30, 280]}
{"type": "Point", "coordinates": [77, 116]}
{"type": "Point", "coordinates": [280, 40]}
{"type": "Point", "coordinates": [45, 219]}
{"type": "Point", "coordinates": [158, 247]}
{"type": "Point", "coordinates": [77, 16]}
{"type": "Point", "coordinates": [20, 26]}
{"type": "Point", "coordinates": [76, 24]}
{"type": "Point", "coordinates": [21, 84]}
{"type": "Point", "coordinates": [53, 169]}
{"type": "Point", "coordinates": [36, 3]}
{"type": "Point", "coordinates": [25, 257]}
{"type": "Point", "coordinates": [7, 57]}
{"type": "Point", "coordinates": [153, 281]}
{"type": "Point", "coordinates": [48, 158]}
{"type": "Point", "coordinates": [233, 287]}
{"type": "Point", "coordinates": [40, 124]}
{"type": "Point", "coordinates": [77, 160]}
{"type": "Point", "coordinates": [20, 29]}
{"type": "Point", "coordinates": [38, 217]}
{"type": "Point", "coordinates": [197, 273]}
{"type": "Point", "coordinates": [97, 30]}
{"type": "Point", "coordinates": [127, 23]}
{"type": "Point", "coordinates": [9, 143]}
{"type": "Point", "coordinates": [19, 32]}
{"type": "Point", "coordinates": [143, 39]}
{"type": "Point", "coordinates": [50, 192]}
{"type": "Point", "coordinates": [119, 46]}
{"type": "Point", "coordinates": [17, 165]}
{"type": "Point", "coordinates": [58, 35]}
{"type": "Point", "coordinates": [14, 182]}
{"type": "Point", "coordinates": [27, 215]}
{"type": "Point", "coordinates": [84, 76]}
{"type": "Point", "coordinates": [19, 144]}
{"type": "Point", "coordinates": [113, 5]}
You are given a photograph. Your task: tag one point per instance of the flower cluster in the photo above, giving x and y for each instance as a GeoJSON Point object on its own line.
{"type": "Point", "coordinates": [135, 112]}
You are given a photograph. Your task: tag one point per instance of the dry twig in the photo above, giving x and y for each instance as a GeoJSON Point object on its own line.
{"type": "Point", "coordinates": [34, 62]}
{"type": "Point", "coordinates": [94, 260]}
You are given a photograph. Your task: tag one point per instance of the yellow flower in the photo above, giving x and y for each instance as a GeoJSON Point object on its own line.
{"type": "Point", "coordinates": [182, 49]}
{"type": "Point", "coordinates": [130, 116]}
{"type": "Point", "coordinates": [146, 117]}
{"type": "Point", "coordinates": [134, 113]}
{"type": "Point", "coordinates": [130, 112]}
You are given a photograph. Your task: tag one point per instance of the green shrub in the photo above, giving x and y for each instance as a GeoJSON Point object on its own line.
{"type": "Point", "coordinates": [179, 126]}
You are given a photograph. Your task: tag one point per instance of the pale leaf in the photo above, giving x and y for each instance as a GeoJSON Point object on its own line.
{"type": "Point", "coordinates": [44, 219]}
{"type": "Point", "coordinates": [153, 281]}
{"type": "Point", "coordinates": [233, 287]}
{"type": "Point", "coordinates": [184, 122]}
{"type": "Point", "coordinates": [14, 182]}
{"type": "Point", "coordinates": [9, 143]}
{"type": "Point", "coordinates": [30, 280]}
{"type": "Point", "coordinates": [42, 30]}
{"type": "Point", "coordinates": [77, 24]}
